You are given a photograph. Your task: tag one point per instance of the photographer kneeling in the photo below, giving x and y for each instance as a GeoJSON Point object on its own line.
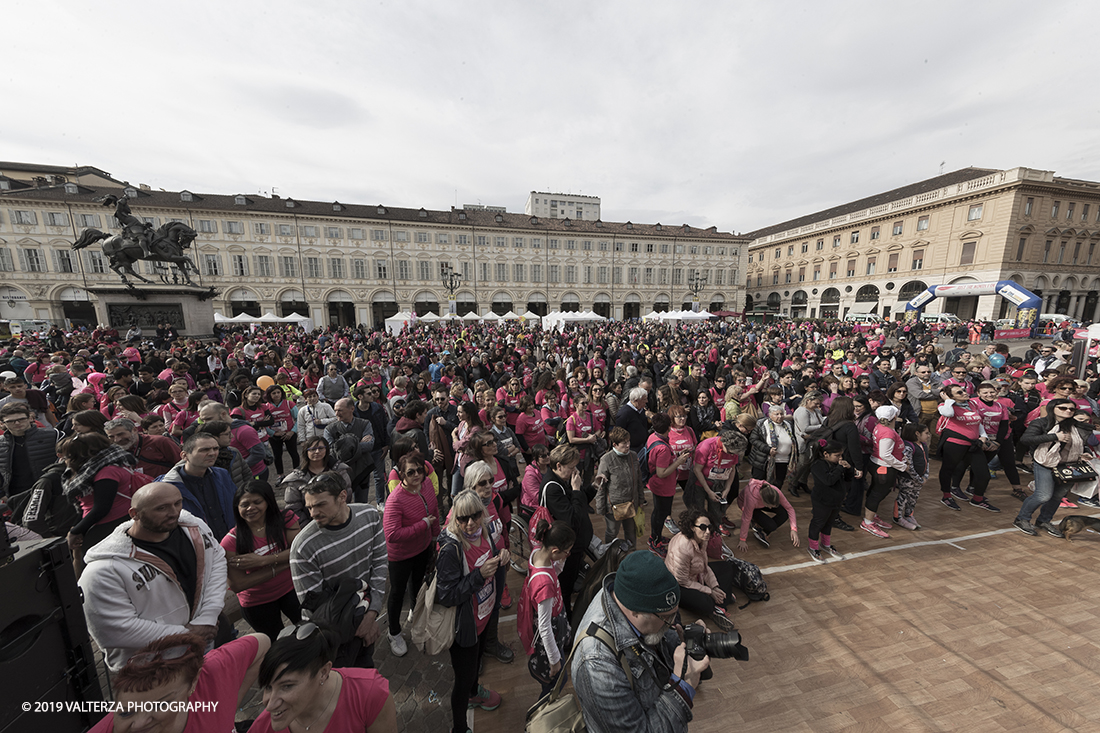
{"type": "Point", "coordinates": [638, 607]}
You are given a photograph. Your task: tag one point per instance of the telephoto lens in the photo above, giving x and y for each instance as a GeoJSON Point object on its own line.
{"type": "Point", "coordinates": [700, 643]}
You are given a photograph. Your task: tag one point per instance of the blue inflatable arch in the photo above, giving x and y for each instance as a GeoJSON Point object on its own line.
{"type": "Point", "coordinates": [1027, 303]}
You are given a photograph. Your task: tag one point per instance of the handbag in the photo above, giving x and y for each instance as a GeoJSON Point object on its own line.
{"type": "Point", "coordinates": [620, 512]}
{"type": "Point", "coordinates": [433, 624]}
{"type": "Point", "coordinates": [1074, 472]}
{"type": "Point", "coordinates": [558, 713]}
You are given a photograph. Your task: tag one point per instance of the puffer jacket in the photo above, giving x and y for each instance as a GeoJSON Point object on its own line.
{"type": "Point", "coordinates": [759, 450]}
{"type": "Point", "coordinates": [688, 564]}
{"type": "Point", "coordinates": [294, 481]}
{"type": "Point", "coordinates": [41, 449]}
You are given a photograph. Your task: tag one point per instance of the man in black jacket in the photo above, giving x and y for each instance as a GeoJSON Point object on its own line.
{"type": "Point", "coordinates": [25, 450]}
{"type": "Point", "coordinates": [352, 439]}
{"type": "Point", "coordinates": [634, 418]}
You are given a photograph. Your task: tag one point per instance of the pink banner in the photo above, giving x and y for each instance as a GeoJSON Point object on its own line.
{"type": "Point", "coordinates": [1012, 333]}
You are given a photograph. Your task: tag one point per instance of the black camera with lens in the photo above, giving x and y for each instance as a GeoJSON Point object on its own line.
{"type": "Point", "coordinates": [702, 643]}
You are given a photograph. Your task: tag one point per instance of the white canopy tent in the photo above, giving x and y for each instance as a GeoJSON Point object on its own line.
{"type": "Point", "coordinates": [511, 316]}
{"type": "Point", "coordinates": [430, 317]}
{"type": "Point", "coordinates": [652, 316]}
{"type": "Point", "coordinates": [471, 316]}
{"type": "Point", "coordinates": [267, 318]}
{"type": "Point", "coordinates": [396, 323]}
{"type": "Point", "coordinates": [531, 318]}
{"type": "Point", "coordinates": [490, 316]}
{"type": "Point", "coordinates": [693, 316]}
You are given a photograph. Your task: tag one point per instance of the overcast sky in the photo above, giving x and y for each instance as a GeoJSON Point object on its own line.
{"type": "Point", "coordinates": [739, 115]}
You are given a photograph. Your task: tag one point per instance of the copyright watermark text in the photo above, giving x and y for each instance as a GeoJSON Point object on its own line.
{"type": "Point", "coordinates": [129, 707]}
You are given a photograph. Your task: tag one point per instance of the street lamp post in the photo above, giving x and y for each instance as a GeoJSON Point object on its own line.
{"type": "Point", "coordinates": [695, 284]}
{"type": "Point", "coordinates": [451, 282]}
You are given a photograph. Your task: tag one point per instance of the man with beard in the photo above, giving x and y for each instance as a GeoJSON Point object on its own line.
{"type": "Point", "coordinates": [638, 609]}
{"type": "Point", "coordinates": [162, 573]}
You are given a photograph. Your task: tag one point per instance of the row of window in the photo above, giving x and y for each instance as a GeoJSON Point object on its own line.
{"type": "Point", "coordinates": [1072, 212]}
{"type": "Point", "coordinates": [1063, 255]}
{"type": "Point", "coordinates": [974, 214]}
{"type": "Point", "coordinates": [871, 266]}
{"type": "Point", "coordinates": [210, 226]}
{"type": "Point", "coordinates": [336, 268]}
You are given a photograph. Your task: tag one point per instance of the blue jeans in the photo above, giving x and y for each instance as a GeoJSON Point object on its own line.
{"type": "Point", "coordinates": [1047, 493]}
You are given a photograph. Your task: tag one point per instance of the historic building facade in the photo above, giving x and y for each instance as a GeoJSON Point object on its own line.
{"type": "Point", "coordinates": [348, 263]}
{"type": "Point", "coordinates": [971, 225]}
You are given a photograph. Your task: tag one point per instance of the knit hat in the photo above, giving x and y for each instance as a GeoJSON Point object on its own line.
{"type": "Point", "coordinates": [644, 585]}
{"type": "Point", "coordinates": [886, 413]}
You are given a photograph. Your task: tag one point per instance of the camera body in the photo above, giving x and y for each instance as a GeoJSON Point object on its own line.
{"type": "Point", "coordinates": [702, 643]}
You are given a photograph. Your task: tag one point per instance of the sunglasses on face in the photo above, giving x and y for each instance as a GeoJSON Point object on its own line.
{"type": "Point", "coordinates": [417, 471]}
{"type": "Point", "coordinates": [703, 527]}
{"type": "Point", "coordinates": [465, 518]}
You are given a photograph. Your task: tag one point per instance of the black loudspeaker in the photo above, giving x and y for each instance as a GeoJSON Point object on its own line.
{"type": "Point", "coordinates": [45, 653]}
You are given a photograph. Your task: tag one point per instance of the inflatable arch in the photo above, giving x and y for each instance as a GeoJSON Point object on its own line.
{"type": "Point", "coordinates": [1027, 303]}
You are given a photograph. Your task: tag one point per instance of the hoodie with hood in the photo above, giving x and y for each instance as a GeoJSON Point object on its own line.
{"type": "Point", "coordinates": [132, 597]}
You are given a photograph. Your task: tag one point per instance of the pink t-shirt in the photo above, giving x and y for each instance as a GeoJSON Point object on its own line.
{"type": "Point", "coordinates": [660, 456]}
{"type": "Point", "coordinates": [121, 505]}
{"type": "Point", "coordinates": [223, 670]}
{"type": "Point", "coordinates": [269, 590]}
{"type": "Point", "coordinates": [717, 465]}
{"type": "Point", "coordinates": [964, 422]}
{"type": "Point", "coordinates": [992, 415]}
{"type": "Point", "coordinates": [362, 698]}
{"type": "Point", "coordinates": [682, 440]}
{"type": "Point", "coordinates": [531, 429]}
{"type": "Point", "coordinates": [484, 598]}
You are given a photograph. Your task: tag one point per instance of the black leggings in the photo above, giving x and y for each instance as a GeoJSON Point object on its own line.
{"type": "Point", "coordinates": [769, 518]}
{"type": "Point", "coordinates": [267, 618]}
{"type": "Point", "coordinates": [702, 604]}
{"type": "Point", "coordinates": [567, 578]}
{"type": "Point", "coordinates": [956, 459]}
{"type": "Point", "coordinates": [290, 441]}
{"type": "Point", "coordinates": [1007, 453]}
{"type": "Point", "coordinates": [464, 661]}
{"type": "Point", "coordinates": [761, 472]}
{"type": "Point", "coordinates": [405, 574]}
{"type": "Point", "coordinates": [882, 483]}
{"type": "Point", "coordinates": [821, 521]}
{"type": "Point", "coordinates": [662, 510]}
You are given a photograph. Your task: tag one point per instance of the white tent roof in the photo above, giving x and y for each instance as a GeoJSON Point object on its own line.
{"type": "Point", "coordinates": [693, 316]}
{"type": "Point", "coordinates": [268, 317]}
{"type": "Point", "coordinates": [530, 316]}
{"type": "Point", "coordinates": [471, 316]}
{"type": "Point", "coordinates": [652, 316]}
{"type": "Point", "coordinates": [396, 323]}
{"type": "Point", "coordinates": [490, 316]}
{"type": "Point", "coordinates": [430, 317]}
{"type": "Point", "coordinates": [511, 316]}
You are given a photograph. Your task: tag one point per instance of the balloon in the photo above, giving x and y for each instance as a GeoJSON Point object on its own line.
{"type": "Point", "coordinates": [996, 361]}
{"type": "Point", "coordinates": [265, 381]}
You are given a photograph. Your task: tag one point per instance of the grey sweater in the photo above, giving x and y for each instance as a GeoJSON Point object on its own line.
{"type": "Point", "coordinates": [624, 481]}
{"type": "Point", "coordinates": [356, 551]}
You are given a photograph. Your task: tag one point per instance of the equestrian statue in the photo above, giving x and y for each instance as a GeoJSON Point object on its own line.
{"type": "Point", "coordinates": [139, 241]}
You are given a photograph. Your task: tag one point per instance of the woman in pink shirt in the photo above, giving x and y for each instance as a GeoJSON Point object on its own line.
{"type": "Point", "coordinates": [410, 523]}
{"type": "Point", "coordinates": [887, 459]}
{"type": "Point", "coordinates": [764, 509]}
{"type": "Point", "coordinates": [963, 441]}
{"type": "Point", "coordinates": [529, 425]}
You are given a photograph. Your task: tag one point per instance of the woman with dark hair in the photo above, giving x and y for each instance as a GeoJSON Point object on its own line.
{"type": "Point", "coordinates": [89, 421]}
{"type": "Point", "coordinates": [257, 556]}
{"type": "Point", "coordinates": [703, 416]}
{"type": "Point", "coordinates": [898, 395]}
{"type": "Point", "coordinates": [174, 668]}
{"type": "Point", "coordinates": [705, 588]}
{"type": "Point", "coordinates": [186, 416]}
{"type": "Point", "coordinates": [317, 458]}
{"type": "Point", "coordinates": [963, 442]}
{"type": "Point", "coordinates": [100, 478]}
{"type": "Point", "coordinates": [841, 425]}
{"type": "Point", "coordinates": [78, 403]}
{"type": "Point", "coordinates": [283, 432]}
{"type": "Point", "coordinates": [410, 523]}
{"type": "Point", "coordinates": [466, 573]}
{"type": "Point", "coordinates": [469, 424]}
{"type": "Point", "coordinates": [302, 690]}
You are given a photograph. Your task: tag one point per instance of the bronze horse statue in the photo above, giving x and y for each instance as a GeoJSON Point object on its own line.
{"type": "Point", "coordinates": [139, 241]}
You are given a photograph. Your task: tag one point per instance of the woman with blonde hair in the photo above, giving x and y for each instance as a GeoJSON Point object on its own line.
{"type": "Point", "coordinates": [466, 580]}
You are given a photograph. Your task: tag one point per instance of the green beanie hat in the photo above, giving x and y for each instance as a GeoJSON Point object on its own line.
{"type": "Point", "coordinates": [644, 585]}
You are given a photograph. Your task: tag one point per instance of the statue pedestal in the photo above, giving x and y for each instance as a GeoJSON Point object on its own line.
{"type": "Point", "coordinates": [189, 309]}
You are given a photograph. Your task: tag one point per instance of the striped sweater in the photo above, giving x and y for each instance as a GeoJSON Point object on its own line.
{"type": "Point", "coordinates": [357, 551]}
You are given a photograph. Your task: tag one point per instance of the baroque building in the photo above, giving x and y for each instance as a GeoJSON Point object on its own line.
{"type": "Point", "coordinates": [970, 225]}
{"type": "Point", "coordinates": [344, 264]}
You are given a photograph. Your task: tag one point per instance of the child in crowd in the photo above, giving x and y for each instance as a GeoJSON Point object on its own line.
{"type": "Point", "coordinates": [543, 625]}
{"type": "Point", "coordinates": [830, 472]}
{"type": "Point", "coordinates": [910, 481]}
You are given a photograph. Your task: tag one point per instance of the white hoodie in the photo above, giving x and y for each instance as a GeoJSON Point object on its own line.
{"type": "Point", "coordinates": [132, 597]}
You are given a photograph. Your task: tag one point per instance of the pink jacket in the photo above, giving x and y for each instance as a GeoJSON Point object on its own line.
{"type": "Point", "coordinates": [407, 534]}
{"type": "Point", "coordinates": [688, 564]}
{"type": "Point", "coordinates": [749, 500]}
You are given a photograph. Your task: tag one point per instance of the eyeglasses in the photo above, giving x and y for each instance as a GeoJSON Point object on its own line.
{"type": "Point", "coordinates": [464, 518]}
{"type": "Point", "coordinates": [1064, 407]}
{"type": "Point", "coordinates": [957, 374]}
{"type": "Point", "coordinates": [668, 620]}
{"type": "Point", "coordinates": [703, 527]}
{"type": "Point", "coordinates": [301, 631]}
{"type": "Point", "coordinates": [484, 482]}
{"type": "Point", "coordinates": [901, 391]}
{"type": "Point", "coordinates": [17, 421]}
{"type": "Point", "coordinates": [416, 471]}
{"type": "Point", "coordinates": [315, 448]}
{"type": "Point", "coordinates": [167, 655]}
{"type": "Point", "coordinates": [1065, 388]}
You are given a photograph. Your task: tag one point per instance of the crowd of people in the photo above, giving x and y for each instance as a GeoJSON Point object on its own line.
{"type": "Point", "coordinates": [325, 477]}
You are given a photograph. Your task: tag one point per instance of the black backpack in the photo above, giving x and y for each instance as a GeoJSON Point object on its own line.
{"type": "Point", "coordinates": [643, 460]}
{"type": "Point", "coordinates": [44, 508]}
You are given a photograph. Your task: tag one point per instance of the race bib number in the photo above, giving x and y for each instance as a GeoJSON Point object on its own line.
{"type": "Point", "coordinates": [720, 474]}
{"type": "Point", "coordinates": [486, 598]}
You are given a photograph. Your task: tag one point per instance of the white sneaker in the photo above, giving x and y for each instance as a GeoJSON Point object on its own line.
{"type": "Point", "coordinates": [398, 645]}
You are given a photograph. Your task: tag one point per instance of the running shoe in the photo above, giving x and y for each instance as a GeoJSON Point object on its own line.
{"type": "Point", "coordinates": [671, 526]}
{"type": "Point", "coordinates": [727, 522]}
{"type": "Point", "coordinates": [984, 504]}
{"type": "Point", "coordinates": [961, 494]}
{"type": "Point", "coordinates": [873, 529]}
{"type": "Point", "coordinates": [831, 549]}
{"type": "Point", "coordinates": [1067, 504]}
{"type": "Point", "coordinates": [398, 645]}
{"type": "Point", "coordinates": [760, 536]}
{"type": "Point", "coordinates": [722, 619]}
{"type": "Point", "coordinates": [1089, 502]}
{"type": "Point", "coordinates": [880, 522]}
{"type": "Point", "coordinates": [485, 699]}
{"type": "Point", "coordinates": [1050, 529]}
{"type": "Point", "coordinates": [1020, 494]}
{"type": "Point", "coordinates": [1022, 468]}
{"type": "Point", "coordinates": [842, 525]}
{"type": "Point", "coordinates": [815, 555]}
{"type": "Point", "coordinates": [657, 547]}
{"type": "Point", "coordinates": [907, 523]}
{"type": "Point", "coordinates": [948, 502]}
{"type": "Point", "coordinates": [1024, 526]}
